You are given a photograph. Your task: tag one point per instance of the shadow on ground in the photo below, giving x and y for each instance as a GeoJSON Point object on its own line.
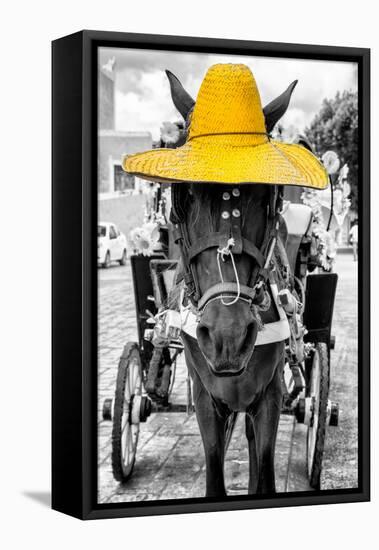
{"type": "Point", "coordinates": [42, 497]}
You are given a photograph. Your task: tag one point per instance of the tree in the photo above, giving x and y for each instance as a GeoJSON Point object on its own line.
{"type": "Point", "coordinates": [335, 128]}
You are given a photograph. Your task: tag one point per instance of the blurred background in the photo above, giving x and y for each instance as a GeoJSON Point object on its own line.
{"type": "Point", "coordinates": [134, 102]}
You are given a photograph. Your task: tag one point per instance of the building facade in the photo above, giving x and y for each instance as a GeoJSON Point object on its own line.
{"type": "Point", "coordinates": [113, 144]}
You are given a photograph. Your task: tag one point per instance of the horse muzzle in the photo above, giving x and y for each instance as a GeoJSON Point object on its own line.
{"type": "Point", "coordinates": [226, 337]}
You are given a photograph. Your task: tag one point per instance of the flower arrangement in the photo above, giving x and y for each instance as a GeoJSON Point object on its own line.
{"type": "Point", "coordinates": [327, 246]}
{"type": "Point", "coordinates": [331, 162]}
{"type": "Point", "coordinates": [325, 249]}
{"type": "Point", "coordinates": [145, 239]}
{"type": "Point", "coordinates": [170, 132]}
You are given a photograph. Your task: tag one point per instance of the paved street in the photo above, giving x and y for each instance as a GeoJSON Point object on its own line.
{"type": "Point", "coordinates": [340, 465]}
{"type": "Point", "coordinates": [170, 461]}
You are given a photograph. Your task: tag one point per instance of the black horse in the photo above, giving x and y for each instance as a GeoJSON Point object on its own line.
{"type": "Point", "coordinates": [230, 373]}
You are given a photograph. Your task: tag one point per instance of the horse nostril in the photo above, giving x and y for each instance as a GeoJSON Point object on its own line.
{"type": "Point", "coordinates": [249, 336]}
{"type": "Point", "coordinates": [203, 334]}
{"type": "Point", "coordinates": [209, 342]}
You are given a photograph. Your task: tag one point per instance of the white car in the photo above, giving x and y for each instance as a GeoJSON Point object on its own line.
{"type": "Point", "coordinates": [111, 244]}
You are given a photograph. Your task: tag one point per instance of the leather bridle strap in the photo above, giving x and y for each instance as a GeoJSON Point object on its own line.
{"type": "Point", "coordinates": [229, 228]}
{"type": "Point", "coordinates": [260, 272]}
{"type": "Point", "coordinates": [214, 239]}
{"type": "Point", "coordinates": [225, 289]}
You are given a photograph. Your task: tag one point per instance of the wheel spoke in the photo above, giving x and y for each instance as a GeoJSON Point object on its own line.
{"type": "Point", "coordinates": [126, 448]}
{"type": "Point", "coordinates": [137, 382]}
{"type": "Point", "coordinates": [130, 376]}
{"type": "Point", "coordinates": [125, 422]}
{"type": "Point", "coordinates": [130, 379]}
{"type": "Point", "coordinates": [127, 385]}
{"type": "Point", "coordinates": [124, 434]}
{"type": "Point", "coordinates": [135, 375]}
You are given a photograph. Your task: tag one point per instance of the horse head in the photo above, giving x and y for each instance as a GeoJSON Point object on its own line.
{"type": "Point", "coordinates": [225, 272]}
{"type": "Point", "coordinates": [228, 325]}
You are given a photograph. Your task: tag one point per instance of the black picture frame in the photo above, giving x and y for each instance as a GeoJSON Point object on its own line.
{"type": "Point", "coordinates": [74, 333]}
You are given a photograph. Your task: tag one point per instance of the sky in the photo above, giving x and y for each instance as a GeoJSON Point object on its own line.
{"type": "Point", "coordinates": [142, 96]}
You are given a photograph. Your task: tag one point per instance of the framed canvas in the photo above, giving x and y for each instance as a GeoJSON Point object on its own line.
{"type": "Point", "coordinates": [210, 292]}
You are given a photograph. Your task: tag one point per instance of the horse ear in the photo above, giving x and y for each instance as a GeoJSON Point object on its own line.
{"type": "Point", "coordinates": [181, 99]}
{"type": "Point", "coordinates": [304, 141]}
{"type": "Point", "coordinates": [276, 108]}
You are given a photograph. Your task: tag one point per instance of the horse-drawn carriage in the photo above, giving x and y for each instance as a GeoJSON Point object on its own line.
{"type": "Point", "coordinates": [280, 302]}
{"type": "Point", "coordinates": [146, 371]}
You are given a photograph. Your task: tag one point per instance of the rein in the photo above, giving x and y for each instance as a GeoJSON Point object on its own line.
{"type": "Point", "coordinates": [221, 253]}
{"type": "Point", "coordinates": [228, 242]}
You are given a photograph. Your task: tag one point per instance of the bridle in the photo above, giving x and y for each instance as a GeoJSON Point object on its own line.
{"type": "Point", "coordinates": [228, 241]}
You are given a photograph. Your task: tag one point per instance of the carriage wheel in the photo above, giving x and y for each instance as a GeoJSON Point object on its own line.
{"type": "Point", "coordinates": [125, 420]}
{"type": "Point", "coordinates": [318, 391]}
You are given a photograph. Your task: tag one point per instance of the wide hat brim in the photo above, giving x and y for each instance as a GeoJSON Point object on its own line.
{"type": "Point", "coordinates": [237, 159]}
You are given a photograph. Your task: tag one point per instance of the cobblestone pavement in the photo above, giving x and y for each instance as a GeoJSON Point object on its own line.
{"type": "Point", "coordinates": [340, 462]}
{"type": "Point", "coordinates": [170, 460]}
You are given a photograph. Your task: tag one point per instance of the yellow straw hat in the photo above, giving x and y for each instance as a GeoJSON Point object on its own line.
{"type": "Point", "coordinates": [228, 141]}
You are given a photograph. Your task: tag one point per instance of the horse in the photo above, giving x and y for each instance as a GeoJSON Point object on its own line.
{"type": "Point", "coordinates": [226, 289]}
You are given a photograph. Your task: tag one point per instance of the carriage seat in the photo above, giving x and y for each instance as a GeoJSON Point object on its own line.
{"type": "Point", "coordinates": [298, 219]}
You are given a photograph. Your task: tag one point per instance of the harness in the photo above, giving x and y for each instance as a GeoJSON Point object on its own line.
{"type": "Point", "coordinates": [228, 241]}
